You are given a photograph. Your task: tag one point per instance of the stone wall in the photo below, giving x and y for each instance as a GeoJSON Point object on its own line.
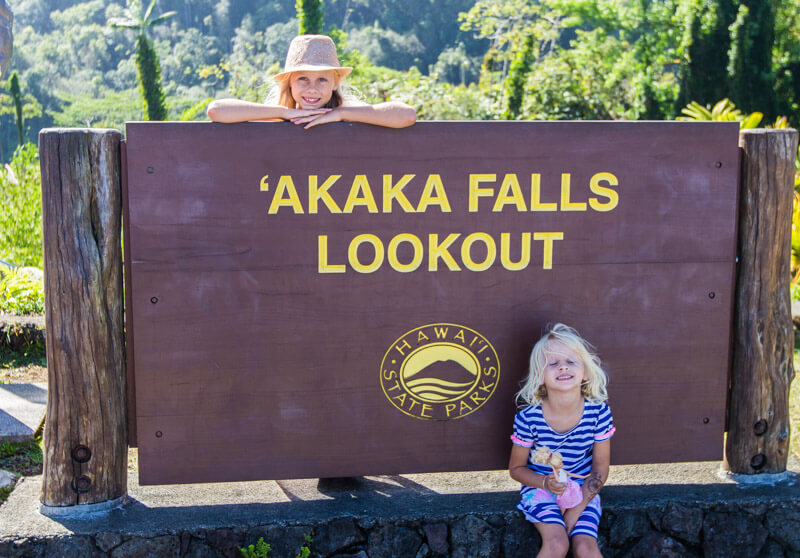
{"type": "Point", "coordinates": [730, 530]}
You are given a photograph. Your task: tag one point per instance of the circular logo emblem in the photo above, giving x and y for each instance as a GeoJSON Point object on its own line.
{"type": "Point", "coordinates": [440, 372]}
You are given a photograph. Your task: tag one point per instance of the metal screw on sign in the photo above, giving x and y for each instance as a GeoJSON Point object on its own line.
{"type": "Point", "coordinates": [760, 427]}
{"type": "Point", "coordinates": [159, 434]}
{"type": "Point", "coordinates": [712, 295]}
{"type": "Point", "coordinates": [758, 461]}
{"type": "Point", "coordinates": [151, 170]}
{"type": "Point", "coordinates": [153, 300]}
{"type": "Point", "coordinates": [81, 484]}
{"type": "Point", "coordinates": [706, 420]}
{"type": "Point", "coordinates": [81, 454]}
{"type": "Point", "coordinates": [719, 164]}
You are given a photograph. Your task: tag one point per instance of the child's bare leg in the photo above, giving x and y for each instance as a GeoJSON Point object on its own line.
{"type": "Point", "coordinates": [584, 546]}
{"type": "Point", "coordinates": [555, 543]}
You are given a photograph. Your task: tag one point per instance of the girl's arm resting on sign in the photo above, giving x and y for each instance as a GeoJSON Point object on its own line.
{"type": "Point", "coordinates": [519, 471]}
{"type": "Point", "coordinates": [392, 114]}
{"type": "Point", "coordinates": [601, 460]}
{"type": "Point", "coordinates": [236, 110]}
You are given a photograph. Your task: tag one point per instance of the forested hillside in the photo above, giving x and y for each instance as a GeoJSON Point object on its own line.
{"type": "Point", "coordinates": [450, 59]}
{"type": "Point", "coordinates": [75, 71]}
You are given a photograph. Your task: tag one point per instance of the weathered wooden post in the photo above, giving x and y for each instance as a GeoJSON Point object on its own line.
{"type": "Point", "coordinates": [758, 410]}
{"type": "Point", "coordinates": [85, 439]}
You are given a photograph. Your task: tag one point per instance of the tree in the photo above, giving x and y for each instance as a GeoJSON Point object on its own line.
{"type": "Point", "coordinates": [705, 75]}
{"type": "Point", "coordinates": [6, 36]}
{"type": "Point", "coordinates": [730, 54]}
{"type": "Point", "coordinates": [16, 96]}
{"type": "Point", "coordinates": [786, 59]}
{"type": "Point", "coordinates": [146, 57]}
{"type": "Point", "coordinates": [590, 59]}
{"type": "Point", "coordinates": [310, 16]}
{"type": "Point", "coordinates": [518, 77]}
{"type": "Point", "coordinates": [22, 105]}
{"type": "Point", "coordinates": [752, 82]}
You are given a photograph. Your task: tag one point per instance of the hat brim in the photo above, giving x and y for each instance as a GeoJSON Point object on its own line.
{"type": "Point", "coordinates": [341, 71]}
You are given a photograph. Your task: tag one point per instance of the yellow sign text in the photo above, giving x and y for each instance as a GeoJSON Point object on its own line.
{"type": "Point", "coordinates": [452, 252]}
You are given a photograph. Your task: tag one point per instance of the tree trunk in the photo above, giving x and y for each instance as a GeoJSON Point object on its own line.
{"type": "Point", "coordinates": [758, 410]}
{"type": "Point", "coordinates": [85, 438]}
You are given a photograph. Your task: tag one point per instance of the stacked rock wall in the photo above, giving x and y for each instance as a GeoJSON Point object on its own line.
{"type": "Point", "coordinates": [730, 530]}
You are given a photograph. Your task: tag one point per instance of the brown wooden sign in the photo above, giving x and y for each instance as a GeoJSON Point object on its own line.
{"type": "Point", "coordinates": [354, 300]}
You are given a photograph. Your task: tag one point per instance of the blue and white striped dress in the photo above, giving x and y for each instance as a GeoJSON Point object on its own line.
{"type": "Point", "coordinates": [531, 430]}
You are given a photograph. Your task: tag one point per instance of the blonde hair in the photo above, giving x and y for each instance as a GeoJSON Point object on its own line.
{"type": "Point", "coordinates": [281, 94]}
{"type": "Point", "coordinates": [593, 388]}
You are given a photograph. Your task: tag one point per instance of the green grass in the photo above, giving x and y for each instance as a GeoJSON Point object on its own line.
{"type": "Point", "coordinates": [31, 356]}
{"type": "Point", "coordinates": [21, 458]}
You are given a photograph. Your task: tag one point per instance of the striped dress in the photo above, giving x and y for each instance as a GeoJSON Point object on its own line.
{"type": "Point", "coordinates": [575, 446]}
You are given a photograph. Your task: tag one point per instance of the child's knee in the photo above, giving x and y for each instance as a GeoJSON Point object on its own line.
{"type": "Point", "coordinates": [584, 546]}
{"type": "Point", "coordinates": [555, 544]}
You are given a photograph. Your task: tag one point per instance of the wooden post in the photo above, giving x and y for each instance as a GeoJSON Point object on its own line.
{"type": "Point", "coordinates": [85, 438]}
{"type": "Point", "coordinates": [758, 409]}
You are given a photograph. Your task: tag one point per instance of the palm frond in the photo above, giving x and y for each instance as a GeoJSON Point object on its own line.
{"type": "Point", "coordinates": [146, 17]}
{"type": "Point", "coordinates": [752, 120]}
{"type": "Point", "coordinates": [695, 111]}
{"type": "Point", "coordinates": [724, 110]}
{"type": "Point", "coordinates": [161, 19]}
{"type": "Point", "coordinates": [122, 23]}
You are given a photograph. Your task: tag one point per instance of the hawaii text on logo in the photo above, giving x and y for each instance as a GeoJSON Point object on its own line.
{"type": "Point", "coordinates": [440, 372]}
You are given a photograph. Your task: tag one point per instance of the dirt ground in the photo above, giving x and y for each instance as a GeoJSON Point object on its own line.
{"type": "Point", "coordinates": [31, 374]}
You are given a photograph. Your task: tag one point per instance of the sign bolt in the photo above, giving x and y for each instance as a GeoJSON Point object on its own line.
{"type": "Point", "coordinates": [81, 454]}
{"type": "Point", "coordinates": [81, 484]}
{"type": "Point", "coordinates": [758, 461]}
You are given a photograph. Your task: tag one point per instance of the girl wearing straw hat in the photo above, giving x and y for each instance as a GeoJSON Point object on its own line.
{"type": "Point", "coordinates": [308, 93]}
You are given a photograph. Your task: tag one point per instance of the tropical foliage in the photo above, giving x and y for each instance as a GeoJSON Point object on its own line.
{"type": "Point", "coordinates": [21, 291]}
{"type": "Point", "coordinates": [147, 63]}
{"type": "Point", "coordinates": [310, 17]}
{"type": "Point", "coordinates": [724, 110]}
{"type": "Point", "coordinates": [524, 59]}
{"type": "Point", "coordinates": [21, 209]}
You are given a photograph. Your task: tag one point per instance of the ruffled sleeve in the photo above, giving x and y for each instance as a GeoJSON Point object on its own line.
{"type": "Point", "coordinates": [604, 425]}
{"type": "Point", "coordinates": [523, 432]}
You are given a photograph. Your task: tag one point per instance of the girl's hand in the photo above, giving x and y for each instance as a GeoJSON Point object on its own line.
{"type": "Point", "coordinates": [294, 114]}
{"type": "Point", "coordinates": [330, 115]}
{"type": "Point", "coordinates": [552, 485]}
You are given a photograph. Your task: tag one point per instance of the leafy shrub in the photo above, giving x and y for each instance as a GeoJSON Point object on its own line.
{"type": "Point", "coordinates": [724, 110]}
{"type": "Point", "coordinates": [261, 549]}
{"type": "Point", "coordinates": [22, 292]}
{"type": "Point", "coordinates": [258, 550]}
{"type": "Point", "coordinates": [21, 208]}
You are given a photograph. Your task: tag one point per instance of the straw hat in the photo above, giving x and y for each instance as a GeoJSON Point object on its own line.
{"type": "Point", "coordinates": [312, 53]}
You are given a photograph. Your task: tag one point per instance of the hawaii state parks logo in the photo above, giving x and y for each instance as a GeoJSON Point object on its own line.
{"type": "Point", "coordinates": [440, 372]}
